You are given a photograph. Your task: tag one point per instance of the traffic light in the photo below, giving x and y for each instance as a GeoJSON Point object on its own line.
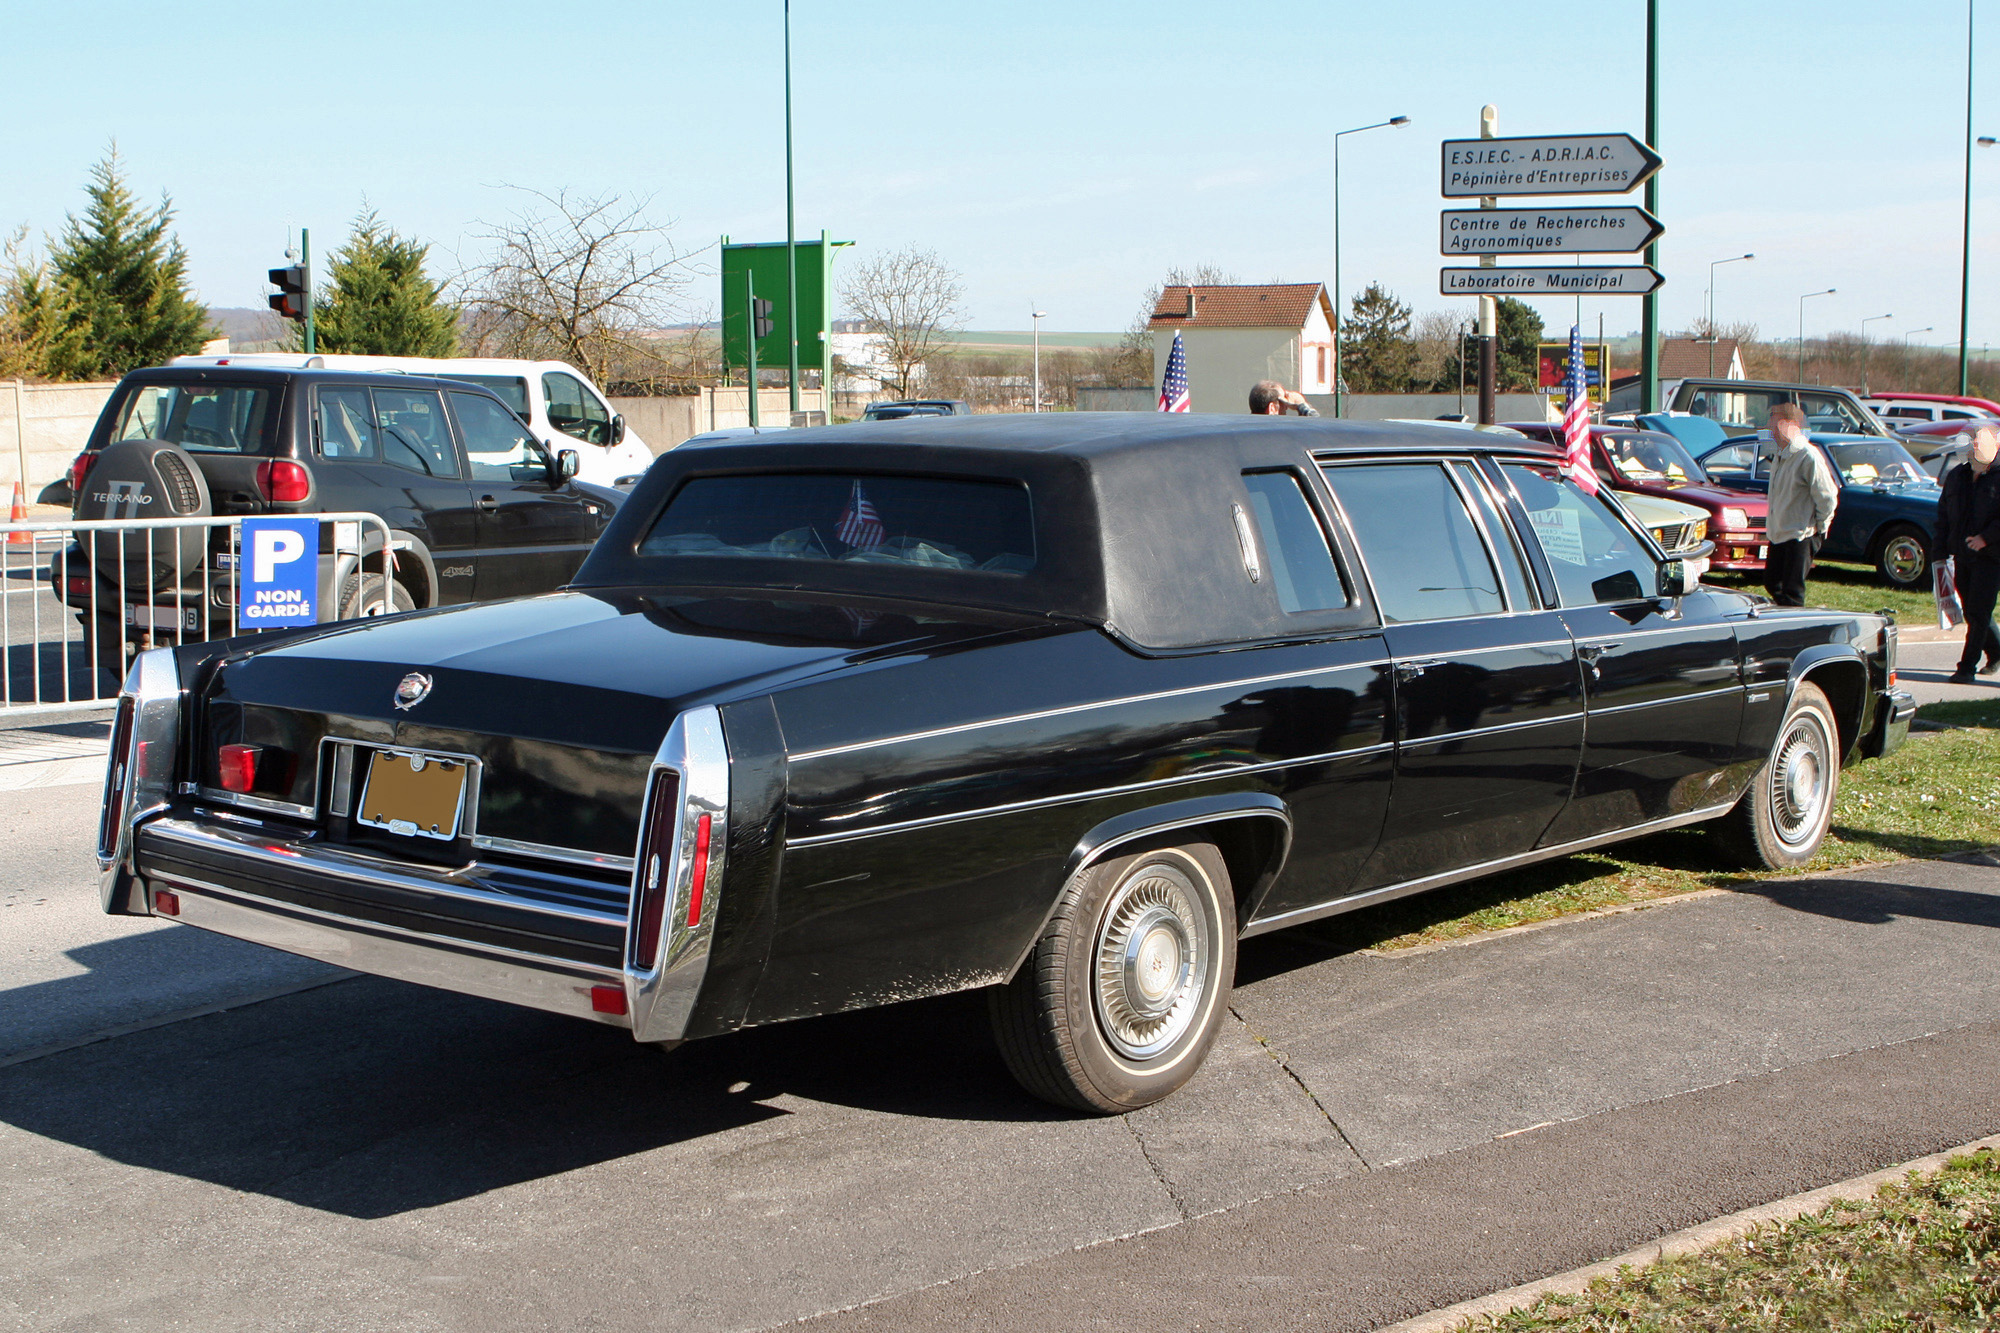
{"type": "Point", "coordinates": [760, 318]}
{"type": "Point", "coordinates": [291, 297]}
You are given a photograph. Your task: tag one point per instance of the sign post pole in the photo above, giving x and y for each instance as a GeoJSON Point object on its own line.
{"type": "Point", "coordinates": [750, 337]}
{"type": "Point", "coordinates": [306, 262]}
{"type": "Point", "coordinates": [1489, 306]}
{"type": "Point", "coordinates": [1649, 310]}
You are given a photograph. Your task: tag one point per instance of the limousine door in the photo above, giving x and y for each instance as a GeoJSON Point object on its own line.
{"type": "Point", "coordinates": [1488, 709]}
{"type": "Point", "coordinates": [1661, 676]}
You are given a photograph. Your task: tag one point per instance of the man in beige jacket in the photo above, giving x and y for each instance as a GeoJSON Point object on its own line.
{"type": "Point", "coordinates": [1803, 496]}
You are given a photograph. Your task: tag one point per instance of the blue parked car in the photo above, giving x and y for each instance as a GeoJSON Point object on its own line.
{"type": "Point", "coordinates": [1888, 503]}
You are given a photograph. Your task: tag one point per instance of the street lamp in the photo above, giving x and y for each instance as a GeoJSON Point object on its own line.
{"type": "Point", "coordinates": [1036, 318]}
{"type": "Point", "coordinates": [1864, 347]}
{"type": "Point", "coordinates": [1712, 335]}
{"type": "Point", "coordinates": [1802, 327]}
{"type": "Point", "coordinates": [1965, 234]}
{"type": "Point", "coordinates": [1911, 333]}
{"type": "Point", "coordinates": [1339, 398]}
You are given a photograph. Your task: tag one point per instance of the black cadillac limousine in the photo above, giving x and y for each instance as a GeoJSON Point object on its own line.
{"type": "Point", "coordinates": [1061, 706]}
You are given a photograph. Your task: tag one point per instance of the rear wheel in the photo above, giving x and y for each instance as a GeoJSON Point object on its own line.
{"type": "Point", "coordinates": [1903, 556]}
{"type": "Point", "coordinates": [361, 595]}
{"type": "Point", "coordinates": [1122, 996]}
{"type": "Point", "coordinates": [1779, 823]}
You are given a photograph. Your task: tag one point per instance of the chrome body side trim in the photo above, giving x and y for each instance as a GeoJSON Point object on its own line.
{"type": "Point", "coordinates": [1040, 802]}
{"type": "Point", "coordinates": [490, 971]}
{"type": "Point", "coordinates": [548, 852]}
{"type": "Point", "coordinates": [661, 993]}
{"type": "Point", "coordinates": [260, 803]}
{"type": "Point", "coordinates": [1370, 897]}
{"type": "Point", "coordinates": [804, 755]}
{"type": "Point", "coordinates": [155, 688]}
{"type": "Point", "coordinates": [1669, 699]}
{"type": "Point", "coordinates": [285, 857]}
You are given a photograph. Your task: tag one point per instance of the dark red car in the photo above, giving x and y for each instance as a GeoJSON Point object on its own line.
{"type": "Point", "coordinates": [1650, 463]}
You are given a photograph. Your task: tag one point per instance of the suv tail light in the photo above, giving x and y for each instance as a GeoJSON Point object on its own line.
{"type": "Point", "coordinates": [654, 877]}
{"type": "Point", "coordinates": [78, 471]}
{"type": "Point", "coordinates": [283, 482]}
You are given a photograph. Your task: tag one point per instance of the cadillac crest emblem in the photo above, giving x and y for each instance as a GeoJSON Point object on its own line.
{"type": "Point", "coordinates": [412, 690]}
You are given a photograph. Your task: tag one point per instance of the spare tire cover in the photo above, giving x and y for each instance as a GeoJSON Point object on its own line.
{"type": "Point", "coordinates": [144, 479]}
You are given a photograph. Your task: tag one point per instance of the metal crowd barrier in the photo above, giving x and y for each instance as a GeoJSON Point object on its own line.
{"type": "Point", "coordinates": [64, 646]}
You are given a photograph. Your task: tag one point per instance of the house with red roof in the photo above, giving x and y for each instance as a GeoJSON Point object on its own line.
{"type": "Point", "coordinates": [1237, 335]}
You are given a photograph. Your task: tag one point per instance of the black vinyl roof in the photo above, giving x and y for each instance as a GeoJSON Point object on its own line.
{"type": "Point", "coordinates": [1134, 527]}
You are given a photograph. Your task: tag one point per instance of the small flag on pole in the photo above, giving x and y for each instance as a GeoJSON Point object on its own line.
{"type": "Point", "coordinates": [1576, 417]}
{"type": "Point", "coordinates": [1173, 389]}
{"type": "Point", "coordinates": [860, 526]}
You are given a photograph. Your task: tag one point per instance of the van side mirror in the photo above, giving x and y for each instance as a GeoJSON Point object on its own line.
{"type": "Point", "coordinates": [566, 465]}
{"type": "Point", "coordinates": [618, 428]}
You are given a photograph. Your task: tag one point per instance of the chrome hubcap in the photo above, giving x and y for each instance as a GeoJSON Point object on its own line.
{"type": "Point", "coordinates": [1151, 962]}
{"type": "Point", "coordinates": [1904, 559]}
{"type": "Point", "coordinates": [1799, 783]}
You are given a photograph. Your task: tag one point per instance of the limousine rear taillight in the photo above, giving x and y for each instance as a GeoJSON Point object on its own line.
{"type": "Point", "coordinates": [653, 878]}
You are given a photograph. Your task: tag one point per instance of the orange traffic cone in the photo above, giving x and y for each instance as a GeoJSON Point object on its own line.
{"type": "Point", "coordinates": [19, 514]}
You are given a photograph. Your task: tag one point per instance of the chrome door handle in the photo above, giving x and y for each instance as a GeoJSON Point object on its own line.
{"type": "Point", "coordinates": [1590, 652]}
{"type": "Point", "coordinates": [1412, 669]}
{"type": "Point", "coordinates": [488, 502]}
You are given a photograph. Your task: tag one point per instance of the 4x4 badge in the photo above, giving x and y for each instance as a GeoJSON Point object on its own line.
{"type": "Point", "coordinates": [412, 689]}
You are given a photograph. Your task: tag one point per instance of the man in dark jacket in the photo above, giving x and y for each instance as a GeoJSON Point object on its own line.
{"type": "Point", "coordinates": [1968, 532]}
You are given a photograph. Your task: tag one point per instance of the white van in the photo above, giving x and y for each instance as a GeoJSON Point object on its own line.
{"type": "Point", "coordinates": [555, 398]}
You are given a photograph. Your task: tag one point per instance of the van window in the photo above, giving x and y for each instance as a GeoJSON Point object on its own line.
{"type": "Point", "coordinates": [574, 409]}
{"type": "Point", "coordinates": [509, 389]}
{"type": "Point", "coordinates": [413, 431]}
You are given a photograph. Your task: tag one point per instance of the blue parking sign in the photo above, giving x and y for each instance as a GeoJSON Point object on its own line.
{"type": "Point", "coordinates": [278, 572]}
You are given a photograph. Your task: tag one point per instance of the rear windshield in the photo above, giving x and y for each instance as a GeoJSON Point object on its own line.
{"type": "Point", "coordinates": [509, 389]}
{"type": "Point", "coordinates": [856, 517]}
{"type": "Point", "coordinates": [201, 418]}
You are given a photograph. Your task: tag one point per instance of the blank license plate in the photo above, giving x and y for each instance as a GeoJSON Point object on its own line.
{"type": "Point", "coordinates": [163, 617]}
{"type": "Point", "coordinates": [416, 796]}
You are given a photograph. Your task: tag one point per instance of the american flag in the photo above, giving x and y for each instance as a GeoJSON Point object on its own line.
{"type": "Point", "coordinates": [1576, 417]}
{"type": "Point", "coordinates": [1173, 389]}
{"type": "Point", "coordinates": [860, 526]}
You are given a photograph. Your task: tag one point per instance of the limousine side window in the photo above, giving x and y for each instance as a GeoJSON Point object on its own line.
{"type": "Point", "coordinates": [1422, 549]}
{"type": "Point", "coordinates": [1499, 535]}
{"type": "Point", "coordinates": [1302, 567]}
{"type": "Point", "coordinates": [1595, 557]}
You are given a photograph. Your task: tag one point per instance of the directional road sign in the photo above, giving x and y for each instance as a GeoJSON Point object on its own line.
{"type": "Point", "coordinates": [1552, 164]}
{"type": "Point", "coordinates": [1541, 231]}
{"type": "Point", "coordinates": [1632, 280]}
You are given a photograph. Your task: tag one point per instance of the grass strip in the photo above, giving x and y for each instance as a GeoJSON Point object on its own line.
{"type": "Point", "coordinates": [1846, 587]}
{"type": "Point", "coordinates": [1962, 713]}
{"type": "Point", "coordinates": [1938, 795]}
{"type": "Point", "coordinates": [1922, 1255]}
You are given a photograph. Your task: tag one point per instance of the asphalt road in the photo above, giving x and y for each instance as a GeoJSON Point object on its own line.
{"type": "Point", "coordinates": [181, 1146]}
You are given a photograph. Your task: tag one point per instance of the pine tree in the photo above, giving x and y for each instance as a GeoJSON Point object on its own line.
{"type": "Point", "coordinates": [380, 303]}
{"type": "Point", "coordinates": [1520, 330]}
{"type": "Point", "coordinates": [113, 295]}
{"type": "Point", "coordinates": [1376, 352]}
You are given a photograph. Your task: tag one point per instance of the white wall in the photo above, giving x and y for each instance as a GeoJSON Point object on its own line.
{"type": "Point", "coordinates": [58, 421]}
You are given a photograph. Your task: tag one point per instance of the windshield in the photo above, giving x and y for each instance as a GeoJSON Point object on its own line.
{"type": "Point", "coordinates": [1652, 458]}
{"type": "Point", "coordinates": [859, 517]}
{"type": "Point", "coordinates": [1875, 463]}
{"type": "Point", "coordinates": [201, 418]}
{"type": "Point", "coordinates": [510, 389]}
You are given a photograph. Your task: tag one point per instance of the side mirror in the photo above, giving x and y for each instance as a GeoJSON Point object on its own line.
{"type": "Point", "coordinates": [618, 429]}
{"type": "Point", "coordinates": [1682, 574]}
{"type": "Point", "coordinates": [566, 464]}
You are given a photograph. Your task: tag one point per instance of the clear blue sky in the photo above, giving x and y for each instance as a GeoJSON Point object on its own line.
{"type": "Point", "coordinates": [1058, 154]}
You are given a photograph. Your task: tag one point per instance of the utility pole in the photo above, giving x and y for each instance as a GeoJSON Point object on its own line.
{"type": "Point", "coordinates": [1649, 309]}
{"type": "Point", "coordinates": [791, 245]}
{"type": "Point", "coordinates": [1965, 244]}
{"type": "Point", "coordinates": [1489, 306]}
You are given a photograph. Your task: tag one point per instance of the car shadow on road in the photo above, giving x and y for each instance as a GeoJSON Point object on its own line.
{"type": "Point", "coordinates": [369, 1098]}
{"type": "Point", "coordinates": [1874, 903]}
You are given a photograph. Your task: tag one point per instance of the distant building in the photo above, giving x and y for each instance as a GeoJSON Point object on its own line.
{"type": "Point", "coordinates": [1235, 336]}
{"type": "Point", "coordinates": [1701, 359]}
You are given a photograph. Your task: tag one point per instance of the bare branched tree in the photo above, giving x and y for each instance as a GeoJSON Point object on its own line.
{"type": "Point", "coordinates": [913, 300]}
{"type": "Point", "coordinates": [1434, 363]}
{"type": "Point", "coordinates": [577, 278]}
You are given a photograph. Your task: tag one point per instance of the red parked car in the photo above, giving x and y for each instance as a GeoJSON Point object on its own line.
{"type": "Point", "coordinates": [1650, 463]}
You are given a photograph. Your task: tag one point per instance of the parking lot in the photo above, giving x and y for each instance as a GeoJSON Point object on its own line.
{"type": "Point", "coordinates": [196, 1132]}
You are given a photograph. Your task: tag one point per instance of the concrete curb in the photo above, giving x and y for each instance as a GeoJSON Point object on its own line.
{"type": "Point", "coordinates": [1688, 1241]}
